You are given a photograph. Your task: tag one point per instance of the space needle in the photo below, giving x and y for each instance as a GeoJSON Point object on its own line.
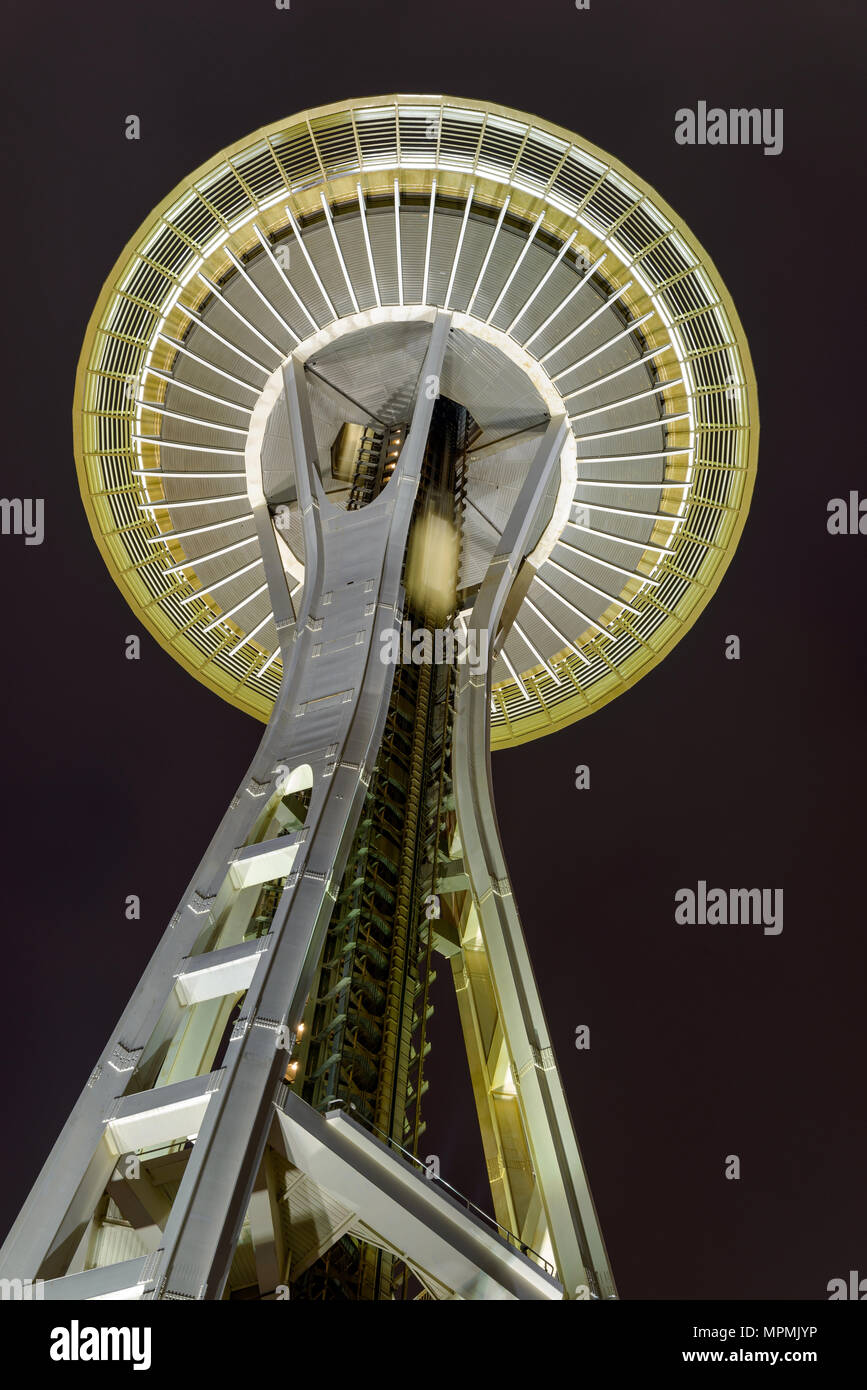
{"type": "Point", "coordinates": [402, 360]}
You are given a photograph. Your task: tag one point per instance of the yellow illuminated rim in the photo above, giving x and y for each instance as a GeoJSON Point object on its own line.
{"type": "Point", "coordinates": [104, 467]}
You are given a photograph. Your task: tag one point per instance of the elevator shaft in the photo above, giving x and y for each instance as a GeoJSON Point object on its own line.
{"type": "Point", "coordinates": [369, 1012]}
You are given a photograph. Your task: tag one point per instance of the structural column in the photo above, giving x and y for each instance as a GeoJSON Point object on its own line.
{"type": "Point", "coordinates": [571, 1219]}
{"type": "Point", "coordinates": [330, 718]}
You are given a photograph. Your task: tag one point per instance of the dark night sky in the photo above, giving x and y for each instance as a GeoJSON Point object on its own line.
{"type": "Point", "coordinates": [705, 1041]}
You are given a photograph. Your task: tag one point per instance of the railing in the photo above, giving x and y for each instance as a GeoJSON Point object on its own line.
{"type": "Point", "coordinates": [501, 1231]}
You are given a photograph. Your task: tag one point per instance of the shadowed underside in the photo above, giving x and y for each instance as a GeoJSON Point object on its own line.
{"type": "Point", "coordinates": [336, 234]}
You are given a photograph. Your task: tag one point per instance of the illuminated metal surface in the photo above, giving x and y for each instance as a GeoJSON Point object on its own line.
{"type": "Point", "coordinates": [436, 282]}
{"type": "Point", "coordinates": [410, 202]}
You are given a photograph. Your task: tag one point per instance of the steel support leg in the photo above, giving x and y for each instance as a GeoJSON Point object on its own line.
{"type": "Point", "coordinates": [328, 717]}
{"type": "Point", "coordinates": [559, 1171]}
